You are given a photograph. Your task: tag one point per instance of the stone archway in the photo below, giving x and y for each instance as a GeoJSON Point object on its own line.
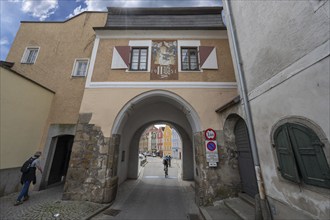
{"type": "Point", "coordinates": [95, 170]}
{"type": "Point", "coordinates": [149, 108]}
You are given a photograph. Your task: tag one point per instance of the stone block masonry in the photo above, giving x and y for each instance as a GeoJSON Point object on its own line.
{"type": "Point", "coordinates": [213, 183]}
{"type": "Point", "coordinates": [93, 164]}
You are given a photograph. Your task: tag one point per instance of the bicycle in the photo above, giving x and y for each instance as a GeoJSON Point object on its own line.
{"type": "Point", "coordinates": [166, 171]}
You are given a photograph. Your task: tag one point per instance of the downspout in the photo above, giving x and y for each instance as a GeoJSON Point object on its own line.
{"type": "Point", "coordinates": [244, 95]}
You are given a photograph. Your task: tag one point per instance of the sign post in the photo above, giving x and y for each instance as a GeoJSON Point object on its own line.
{"type": "Point", "coordinates": [211, 147]}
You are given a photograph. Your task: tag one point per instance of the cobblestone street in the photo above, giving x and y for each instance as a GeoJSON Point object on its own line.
{"type": "Point", "coordinates": [47, 204]}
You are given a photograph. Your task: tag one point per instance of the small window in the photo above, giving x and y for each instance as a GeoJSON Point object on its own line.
{"type": "Point", "coordinates": [80, 67]}
{"type": "Point", "coordinates": [300, 155]}
{"type": "Point", "coordinates": [30, 55]}
{"type": "Point", "coordinates": [189, 59]}
{"type": "Point", "coordinates": [139, 58]}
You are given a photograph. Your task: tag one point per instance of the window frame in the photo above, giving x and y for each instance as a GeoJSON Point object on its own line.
{"type": "Point", "coordinates": [141, 43]}
{"type": "Point", "coordinates": [27, 53]}
{"type": "Point", "coordinates": [139, 59]}
{"type": "Point", "coordinates": [185, 44]}
{"type": "Point", "coordinates": [74, 68]}
{"type": "Point", "coordinates": [189, 58]}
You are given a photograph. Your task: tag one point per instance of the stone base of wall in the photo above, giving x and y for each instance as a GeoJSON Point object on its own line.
{"type": "Point", "coordinates": [92, 169]}
{"type": "Point", "coordinates": [284, 211]}
{"type": "Point", "coordinates": [10, 181]}
{"type": "Point", "coordinates": [215, 183]}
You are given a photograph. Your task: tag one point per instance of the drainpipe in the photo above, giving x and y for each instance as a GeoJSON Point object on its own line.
{"type": "Point", "coordinates": [242, 86]}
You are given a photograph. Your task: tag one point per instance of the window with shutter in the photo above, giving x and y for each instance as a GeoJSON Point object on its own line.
{"type": "Point", "coordinates": [139, 58]}
{"type": "Point", "coordinates": [120, 57]}
{"type": "Point", "coordinates": [310, 156]}
{"type": "Point", "coordinates": [285, 155]}
{"type": "Point", "coordinates": [300, 155]}
{"type": "Point", "coordinates": [208, 57]}
{"type": "Point", "coordinates": [189, 59]}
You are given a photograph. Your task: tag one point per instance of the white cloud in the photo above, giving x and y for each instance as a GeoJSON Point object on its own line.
{"type": "Point", "coordinates": [4, 41]}
{"type": "Point", "coordinates": [40, 9]}
{"type": "Point", "coordinates": [76, 11]}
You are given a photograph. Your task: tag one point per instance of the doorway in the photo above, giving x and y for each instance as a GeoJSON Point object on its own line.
{"type": "Point", "coordinates": [245, 160]}
{"type": "Point", "coordinates": [61, 159]}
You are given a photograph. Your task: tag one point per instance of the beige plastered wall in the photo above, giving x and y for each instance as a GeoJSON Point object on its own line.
{"type": "Point", "coordinates": [25, 107]}
{"type": "Point", "coordinates": [103, 72]}
{"type": "Point", "coordinates": [105, 104]}
{"type": "Point", "coordinates": [60, 44]}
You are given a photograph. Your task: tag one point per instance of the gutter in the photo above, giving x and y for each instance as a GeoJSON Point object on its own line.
{"type": "Point", "coordinates": [249, 122]}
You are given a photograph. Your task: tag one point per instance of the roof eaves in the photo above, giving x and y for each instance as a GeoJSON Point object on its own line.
{"type": "Point", "coordinates": [5, 65]}
{"type": "Point", "coordinates": [229, 104]}
{"type": "Point", "coordinates": [164, 10]}
{"type": "Point", "coordinates": [160, 28]}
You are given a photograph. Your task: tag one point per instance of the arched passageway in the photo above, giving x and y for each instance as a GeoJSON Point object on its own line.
{"type": "Point", "coordinates": [149, 108]}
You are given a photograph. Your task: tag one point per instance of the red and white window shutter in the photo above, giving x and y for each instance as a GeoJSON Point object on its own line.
{"type": "Point", "coordinates": [120, 57]}
{"type": "Point", "coordinates": [208, 57]}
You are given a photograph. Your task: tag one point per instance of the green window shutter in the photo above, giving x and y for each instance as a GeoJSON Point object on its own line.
{"type": "Point", "coordinates": [286, 159]}
{"type": "Point", "coordinates": [308, 150]}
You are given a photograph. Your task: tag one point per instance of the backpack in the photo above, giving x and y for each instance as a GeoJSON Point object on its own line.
{"type": "Point", "coordinates": [27, 164]}
{"type": "Point", "coordinates": [165, 162]}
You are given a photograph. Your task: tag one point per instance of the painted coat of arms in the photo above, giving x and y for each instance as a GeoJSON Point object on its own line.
{"type": "Point", "coordinates": [164, 60]}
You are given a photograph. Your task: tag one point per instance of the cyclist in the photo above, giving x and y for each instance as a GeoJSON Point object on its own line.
{"type": "Point", "coordinates": [165, 162]}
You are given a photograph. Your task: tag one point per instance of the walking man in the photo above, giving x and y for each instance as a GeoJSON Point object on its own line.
{"type": "Point", "coordinates": [28, 175]}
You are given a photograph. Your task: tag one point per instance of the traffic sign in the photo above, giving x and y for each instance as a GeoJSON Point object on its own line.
{"type": "Point", "coordinates": [211, 152]}
{"type": "Point", "coordinates": [211, 146]}
{"type": "Point", "coordinates": [210, 134]}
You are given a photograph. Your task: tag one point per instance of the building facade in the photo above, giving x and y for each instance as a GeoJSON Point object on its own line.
{"type": "Point", "coordinates": [282, 64]}
{"type": "Point", "coordinates": [167, 137]}
{"type": "Point", "coordinates": [55, 54]}
{"type": "Point", "coordinates": [176, 145]}
{"type": "Point", "coordinates": [117, 73]}
{"type": "Point", "coordinates": [153, 66]}
{"type": "Point", "coordinates": [160, 141]}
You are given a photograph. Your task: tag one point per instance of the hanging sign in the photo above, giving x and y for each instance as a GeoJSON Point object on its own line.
{"type": "Point", "coordinates": [210, 134]}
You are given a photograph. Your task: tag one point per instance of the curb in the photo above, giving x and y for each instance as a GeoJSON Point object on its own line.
{"type": "Point", "coordinates": [97, 212]}
{"type": "Point", "coordinates": [205, 214]}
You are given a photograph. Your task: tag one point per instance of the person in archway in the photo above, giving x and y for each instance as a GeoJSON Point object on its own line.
{"type": "Point", "coordinates": [165, 162]}
{"type": "Point", "coordinates": [28, 175]}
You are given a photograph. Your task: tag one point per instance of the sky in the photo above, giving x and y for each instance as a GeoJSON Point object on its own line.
{"type": "Point", "coordinates": [12, 12]}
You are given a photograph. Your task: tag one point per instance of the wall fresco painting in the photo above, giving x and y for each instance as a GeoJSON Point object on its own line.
{"type": "Point", "coordinates": [164, 60]}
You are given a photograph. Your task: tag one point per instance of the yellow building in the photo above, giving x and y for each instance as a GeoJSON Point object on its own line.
{"type": "Point", "coordinates": [167, 138]}
{"type": "Point", "coordinates": [115, 74]}
{"type": "Point", "coordinates": [25, 107]}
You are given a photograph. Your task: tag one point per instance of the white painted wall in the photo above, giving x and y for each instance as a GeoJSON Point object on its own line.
{"type": "Point", "coordinates": [284, 47]}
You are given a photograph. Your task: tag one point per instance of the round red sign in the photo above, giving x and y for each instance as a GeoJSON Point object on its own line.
{"type": "Point", "coordinates": [210, 134]}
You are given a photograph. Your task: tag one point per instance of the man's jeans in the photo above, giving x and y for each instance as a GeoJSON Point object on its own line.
{"type": "Point", "coordinates": [25, 190]}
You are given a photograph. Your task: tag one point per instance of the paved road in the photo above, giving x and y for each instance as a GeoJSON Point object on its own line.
{"type": "Point", "coordinates": [153, 196]}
